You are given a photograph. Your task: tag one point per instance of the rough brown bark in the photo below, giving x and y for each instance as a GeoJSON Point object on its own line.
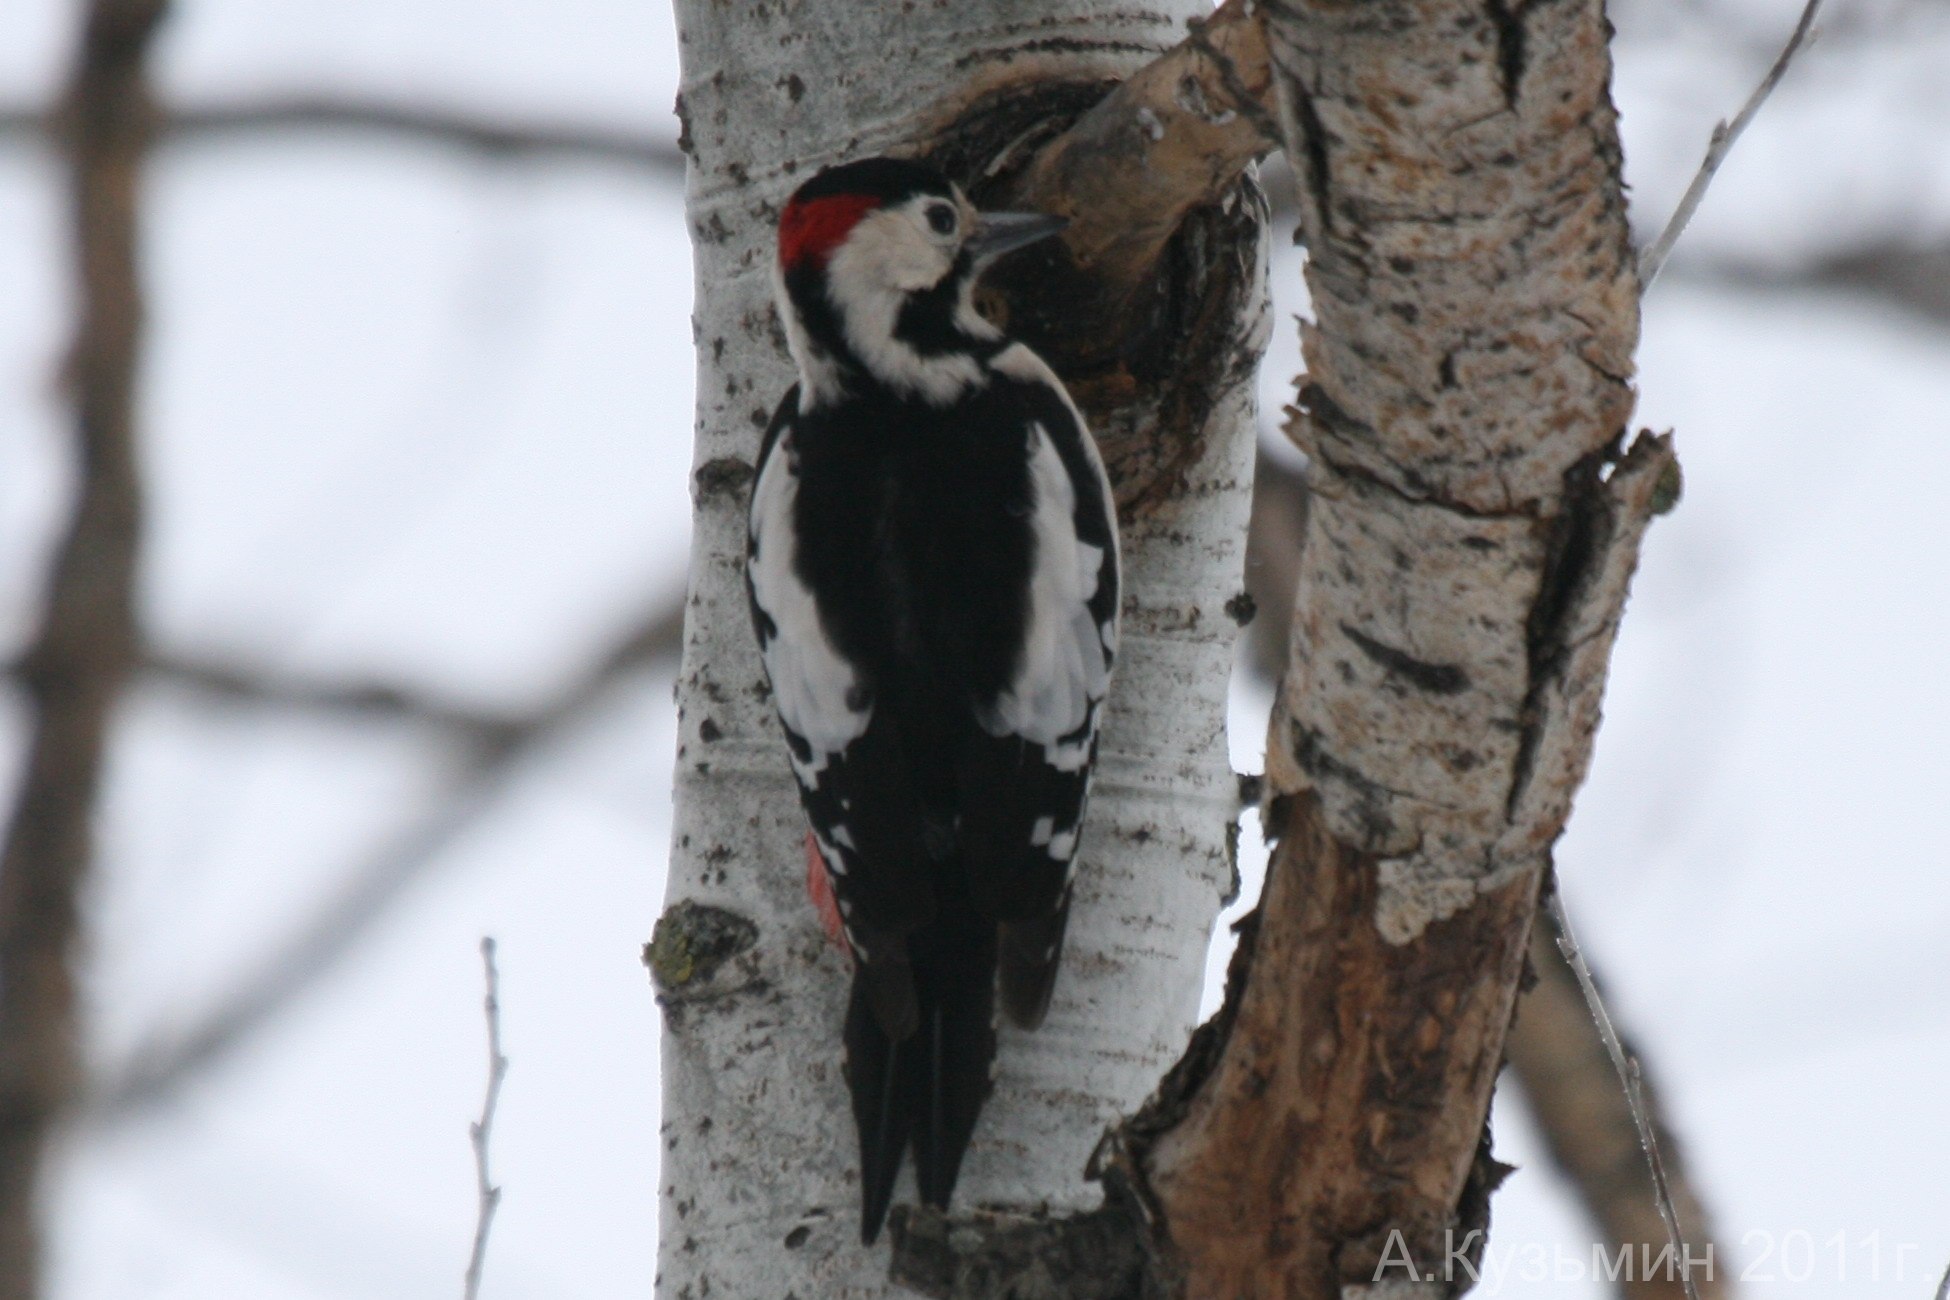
{"type": "Point", "coordinates": [1554, 1051]}
{"type": "Point", "coordinates": [1351, 1096]}
{"type": "Point", "coordinates": [1472, 526]}
{"type": "Point", "coordinates": [87, 637]}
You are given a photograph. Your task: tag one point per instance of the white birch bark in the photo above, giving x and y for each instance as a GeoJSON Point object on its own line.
{"type": "Point", "coordinates": [759, 1180]}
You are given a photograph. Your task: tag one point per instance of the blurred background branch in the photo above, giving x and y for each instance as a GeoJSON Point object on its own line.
{"type": "Point", "coordinates": [376, 120]}
{"type": "Point", "coordinates": [74, 669]}
{"type": "Point", "coordinates": [494, 753]}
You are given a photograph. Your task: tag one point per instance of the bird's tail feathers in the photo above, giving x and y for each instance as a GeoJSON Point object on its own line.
{"type": "Point", "coordinates": [924, 1089]}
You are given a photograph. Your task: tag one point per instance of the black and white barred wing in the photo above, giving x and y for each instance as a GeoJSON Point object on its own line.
{"type": "Point", "coordinates": [846, 756]}
{"type": "Point", "coordinates": [822, 702]}
{"type": "Point", "coordinates": [1026, 778]}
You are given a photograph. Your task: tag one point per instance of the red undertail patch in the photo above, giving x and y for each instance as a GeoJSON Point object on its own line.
{"type": "Point", "coordinates": [819, 888]}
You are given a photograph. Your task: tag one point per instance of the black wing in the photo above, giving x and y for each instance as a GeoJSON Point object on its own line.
{"type": "Point", "coordinates": [1025, 772]}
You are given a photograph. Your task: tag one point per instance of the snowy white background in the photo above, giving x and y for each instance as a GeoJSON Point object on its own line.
{"type": "Point", "coordinates": [416, 417]}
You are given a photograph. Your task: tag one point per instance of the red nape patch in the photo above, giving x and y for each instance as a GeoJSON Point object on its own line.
{"type": "Point", "coordinates": [812, 230]}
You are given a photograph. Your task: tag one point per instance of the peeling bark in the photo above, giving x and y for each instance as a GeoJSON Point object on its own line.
{"type": "Point", "coordinates": [1473, 521]}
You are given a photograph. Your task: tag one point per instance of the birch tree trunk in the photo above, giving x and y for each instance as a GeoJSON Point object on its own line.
{"type": "Point", "coordinates": [759, 1185]}
{"type": "Point", "coordinates": [1473, 523]}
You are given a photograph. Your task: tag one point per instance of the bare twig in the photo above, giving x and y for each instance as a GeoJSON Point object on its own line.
{"type": "Point", "coordinates": [87, 638]}
{"type": "Point", "coordinates": [1653, 259]}
{"type": "Point", "coordinates": [1628, 1073]}
{"type": "Point", "coordinates": [162, 1067]}
{"type": "Point", "coordinates": [1943, 1287]}
{"type": "Point", "coordinates": [1559, 1060]}
{"type": "Point", "coordinates": [427, 125]}
{"type": "Point", "coordinates": [480, 1130]}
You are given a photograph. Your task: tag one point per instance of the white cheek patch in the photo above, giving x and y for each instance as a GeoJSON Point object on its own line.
{"type": "Point", "coordinates": [811, 681]}
{"type": "Point", "coordinates": [868, 278]}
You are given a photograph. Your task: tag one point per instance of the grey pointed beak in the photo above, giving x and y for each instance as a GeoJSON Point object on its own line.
{"type": "Point", "coordinates": [997, 233]}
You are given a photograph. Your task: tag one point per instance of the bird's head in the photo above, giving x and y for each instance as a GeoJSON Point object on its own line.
{"type": "Point", "coordinates": [876, 270]}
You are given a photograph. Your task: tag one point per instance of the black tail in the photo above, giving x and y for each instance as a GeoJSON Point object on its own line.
{"type": "Point", "coordinates": [927, 1088]}
{"type": "Point", "coordinates": [1031, 950]}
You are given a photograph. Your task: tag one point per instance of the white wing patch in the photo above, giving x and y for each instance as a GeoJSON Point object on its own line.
{"type": "Point", "coordinates": [1066, 655]}
{"type": "Point", "coordinates": [813, 685]}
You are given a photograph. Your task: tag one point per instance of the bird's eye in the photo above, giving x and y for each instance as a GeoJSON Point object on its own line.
{"type": "Point", "coordinates": [941, 217]}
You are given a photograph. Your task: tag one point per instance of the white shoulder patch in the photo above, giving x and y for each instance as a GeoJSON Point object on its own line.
{"type": "Point", "coordinates": [1066, 656]}
{"type": "Point", "coordinates": [813, 685]}
{"type": "Point", "coordinates": [1019, 362]}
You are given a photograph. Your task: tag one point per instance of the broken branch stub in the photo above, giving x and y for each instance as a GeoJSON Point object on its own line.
{"type": "Point", "coordinates": [1136, 306]}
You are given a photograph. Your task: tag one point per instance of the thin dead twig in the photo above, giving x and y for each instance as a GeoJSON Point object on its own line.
{"type": "Point", "coordinates": [1627, 1066]}
{"type": "Point", "coordinates": [1559, 1060]}
{"type": "Point", "coordinates": [1653, 259]}
{"type": "Point", "coordinates": [479, 1132]}
{"type": "Point", "coordinates": [161, 1068]}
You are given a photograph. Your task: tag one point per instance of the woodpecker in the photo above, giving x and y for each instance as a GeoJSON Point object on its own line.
{"type": "Point", "coordinates": [933, 575]}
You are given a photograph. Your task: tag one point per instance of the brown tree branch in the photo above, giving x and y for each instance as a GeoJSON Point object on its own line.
{"type": "Point", "coordinates": [493, 759]}
{"type": "Point", "coordinates": [1915, 279]}
{"type": "Point", "coordinates": [75, 667]}
{"type": "Point", "coordinates": [1175, 135]}
{"type": "Point", "coordinates": [527, 142]}
{"type": "Point", "coordinates": [233, 684]}
{"type": "Point", "coordinates": [236, 685]}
